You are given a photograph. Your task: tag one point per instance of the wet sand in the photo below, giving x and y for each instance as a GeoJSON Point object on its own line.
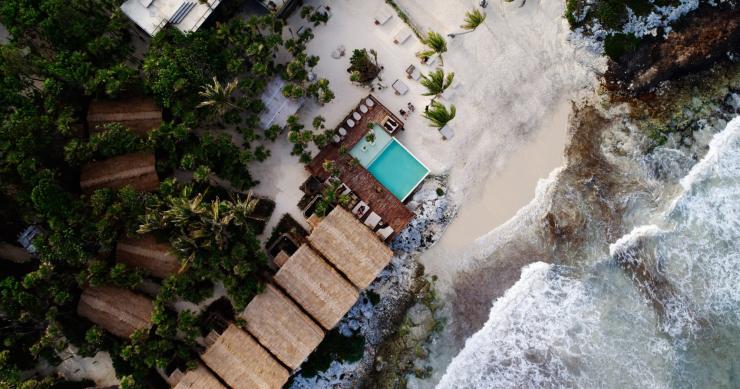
{"type": "Point", "coordinates": [505, 191]}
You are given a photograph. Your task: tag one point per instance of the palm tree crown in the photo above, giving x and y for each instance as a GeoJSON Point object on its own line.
{"type": "Point", "coordinates": [439, 115]}
{"type": "Point", "coordinates": [436, 82]}
{"type": "Point", "coordinates": [218, 96]}
{"type": "Point", "coordinates": [436, 44]}
{"type": "Point", "coordinates": [473, 19]}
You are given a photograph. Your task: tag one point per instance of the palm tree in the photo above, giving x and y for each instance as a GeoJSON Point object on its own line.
{"type": "Point", "coordinates": [219, 97]}
{"type": "Point", "coordinates": [439, 115]}
{"type": "Point", "coordinates": [436, 44]}
{"type": "Point", "coordinates": [436, 82]}
{"type": "Point", "coordinates": [473, 19]}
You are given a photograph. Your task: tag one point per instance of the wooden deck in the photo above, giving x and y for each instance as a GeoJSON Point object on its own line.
{"type": "Point", "coordinates": [356, 177]}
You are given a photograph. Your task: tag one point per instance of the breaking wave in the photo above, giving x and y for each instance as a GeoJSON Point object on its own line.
{"type": "Point", "coordinates": [662, 309]}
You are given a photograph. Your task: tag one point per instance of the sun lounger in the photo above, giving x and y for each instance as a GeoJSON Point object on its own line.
{"type": "Point", "coordinates": [431, 60]}
{"type": "Point", "coordinates": [447, 132]}
{"type": "Point", "coordinates": [402, 35]}
{"type": "Point", "coordinates": [342, 131]}
{"type": "Point", "coordinates": [356, 115]}
{"type": "Point", "coordinates": [372, 220]}
{"type": "Point", "coordinates": [360, 209]}
{"type": "Point", "coordinates": [369, 102]}
{"type": "Point", "coordinates": [400, 88]}
{"type": "Point", "coordinates": [344, 190]}
{"type": "Point", "coordinates": [413, 73]}
{"type": "Point", "coordinates": [363, 108]}
{"type": "Point", "coordinates": [337, 139]}
{"type": "Point", "coordinates": [383, 16]}
{"type": "Point", "coordinates": [350, 123]}
{"type": "Point", "coordinates": [385, 232]}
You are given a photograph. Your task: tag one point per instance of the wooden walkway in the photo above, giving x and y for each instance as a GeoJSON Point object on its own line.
{"type": "Point", "coordinates": [357, 178]}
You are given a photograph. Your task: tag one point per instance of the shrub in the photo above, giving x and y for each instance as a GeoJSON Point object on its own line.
{"type": "Point", "coordinates": [616, 45]}
{"type": "Point", "coordinates": [611, 13]}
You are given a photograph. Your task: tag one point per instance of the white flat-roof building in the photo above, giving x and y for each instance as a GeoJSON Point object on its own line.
{"type": "Point", "coordinates": [277, 107]}
{"type": "Point", "coordinates": [153, 15]}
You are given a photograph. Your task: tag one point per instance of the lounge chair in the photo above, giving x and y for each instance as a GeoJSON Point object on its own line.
{"type": "Point", "coordinates": [383, 16]}
{"type": "Point", "coordinates": [372, 220]}
{"type": "Point", "coordinates": [360, 209]}
{"type": "Point", "coordinates": [402, 35]}
{"type": "Point", "coordinates": [356, 115]}
{"type": "Point", "coordinates": [384, 233]}
{"type": "Point", "coordinates": [447, 132]}
{"type": "Point", "coordinates": [363, 108]}
{"type": "Point", "coordinates": [344, 190]}
{"type": "Point", "coordinates": [369, 102]}
{"type": "Point", "coordinates": [400, 88]}
{"type": "Point", "coordinates": [350, 123]}
{"type": "Point", "coordinates": [342, 131]}
{"type": "Point", "coordinates": [336, 139]}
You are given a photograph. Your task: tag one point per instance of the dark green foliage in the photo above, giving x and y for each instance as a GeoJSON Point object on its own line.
{"type": "Point", "coordinates": [334, 347]}
{"type": "Point", "coordinates": [571, 7]}
{"type": "Point", "coordinates": [611, 13]}
{"type": "Point", "coordinates": [113, 141]}
{"type": "Point", "coordinates": [440, 192]}
{"type": "Point", "coordinates": [616, 45]}
{"type": "Point", "coordinates": [364, 66]}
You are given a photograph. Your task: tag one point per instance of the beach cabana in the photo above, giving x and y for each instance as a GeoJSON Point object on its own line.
{"type": "Point", "coordinates": [350, 247]}
{"type": "Point", "coordinates": [144, 252]}
{"type": "Point", "coordinates": [137, 170]}
{"type": "Point", "coordinates": [242, 363]}
{"type": "Point", "coordinates": [118, 311]}
{"type": "Point", "coordinates": [316, 286]}
{"type": "Point", "coordinates": [281, 327]}
{"type": "Point", "coordinates": [198, 378]}
{"type": "Point", "coordinates": [138, 114]}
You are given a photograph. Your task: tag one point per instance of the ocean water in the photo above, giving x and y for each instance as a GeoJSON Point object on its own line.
{"type": "Point", "coordinates": [660, 310]}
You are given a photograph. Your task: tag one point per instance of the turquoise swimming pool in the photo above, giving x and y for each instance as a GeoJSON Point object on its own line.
{"type": "Point", "coordinates": [390, 163]}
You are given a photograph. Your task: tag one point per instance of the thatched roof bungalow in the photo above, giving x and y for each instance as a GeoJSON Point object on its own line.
{"type": "Point", "coordinates": [119, 311]}
{"type": "Point", "coordinates": [144, 252]}
{"type": "Point", "coordinates": [198, 378]}
{"type": "Point", "coordinates": [242, 363]}
{"type": "Point", "coordinates": [351, 247]}
{"type": "Point", "coordinates": [138, 114]}
{"type": "Point", "coordinates": [137, 170]}
{"type": "Point", "coordinates": [281, 327]}
{"type": "Point", "coordinates": [316, 286]}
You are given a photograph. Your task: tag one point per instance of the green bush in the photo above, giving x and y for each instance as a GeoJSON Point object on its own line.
{"type": "Point", "coordinates": [616, 45]}
{"type": "Point", "coordinates": [611, 13]}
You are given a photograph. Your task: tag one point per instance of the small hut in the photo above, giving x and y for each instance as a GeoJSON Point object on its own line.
{"type": "Point", "coordinates": [119, 311]}
{"type": "Point", "coordinates": [242, 363]}
{"type": "Point", "coordinates": [137, 170]}
{"type": "Point", "coordinates": [138, 114]}
{"type": "Point", "coordinates": [351, 247]}
{"type": "Point", "coordinates": [281, 327]}
{"type": "Point", "coordinates": [144, 252]}
{"type": "Point", "coordinates": [198, 378]}
{"type": "Point", "coordinates": [316, 286]}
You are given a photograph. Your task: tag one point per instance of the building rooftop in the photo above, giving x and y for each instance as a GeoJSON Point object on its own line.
{"type": "Point", "coordinates": [351, 247]}
{"type": "Point", "coordinates": [277, 107]}
{"type": "Point", "coordinates": [153, 15]}
{"type": "Point", "coordinates": [137, 170]}
{"type": "Point", "coordinates": [281, 327]}
{"type": "Point", "coordinates": [138, 114]}
{"type": "Point", "coordinates": [316, 286]}
{"type": "Point", "coordinates": [144, 252]}
{"type": "Point", "coordinates": [242, 363]}
{"type": "Point", "coordinates": [198, 378]}
{"type": "Point", "coordinates": [118, 311]}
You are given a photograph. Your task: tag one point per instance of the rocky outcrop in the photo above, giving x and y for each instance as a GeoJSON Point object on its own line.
{"type": "Point", "coordinates": [705, 37]}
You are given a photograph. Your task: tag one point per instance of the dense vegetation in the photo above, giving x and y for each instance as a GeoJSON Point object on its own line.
{"type": "Point", "coordinates": [62, 55]}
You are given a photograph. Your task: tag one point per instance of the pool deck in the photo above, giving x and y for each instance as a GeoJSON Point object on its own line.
{"type": "Point", "coordinates": [356, 177]}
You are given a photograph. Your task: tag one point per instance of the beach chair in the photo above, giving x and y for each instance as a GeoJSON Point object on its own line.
{"type": "Point", "coordinates": [342, 132]}
{"type": "Point", "coordinates": [400, 88]}
{"type": "Point", "coordinates": [350, 123]}
{"type": "Point", "coordinates": [369, 102]}
{"type": "Point", "coordinates": [372, 220]}
{"type": "Point", "coordinates": [385, 232]}
{"type": "Point", "coordinates": [383, 16]}
{"type": "Point", "coordinates": [447, 132]}
{"type": "Point", "coordinates": [363, 108]}
{"type": "Point", "coordinates": [402, 35]}
{"type": "Point", "coordinates": [356, 115]}
{"type": "Point", "coordinates": [360, 209]}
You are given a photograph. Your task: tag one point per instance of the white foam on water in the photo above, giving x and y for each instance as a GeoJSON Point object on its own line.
{"type": "Point", "coordinates": [557, 327]}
